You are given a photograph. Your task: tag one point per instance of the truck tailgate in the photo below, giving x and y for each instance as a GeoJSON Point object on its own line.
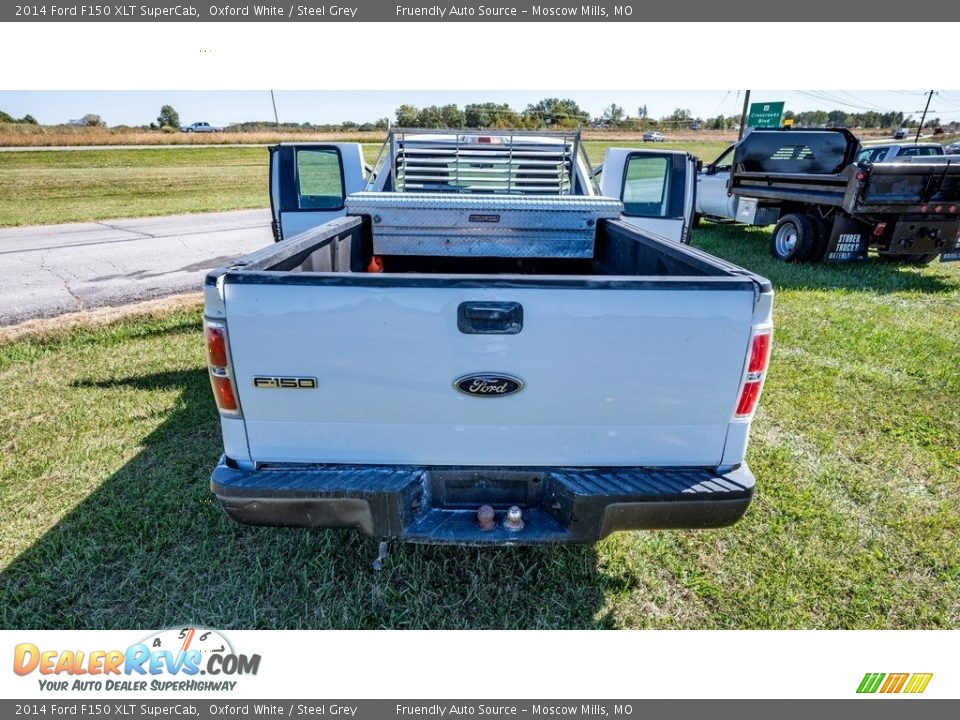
{"type": "Point", "coordinates": [618, 371]}
{"type": "Point", "coordinates": [896, 184]}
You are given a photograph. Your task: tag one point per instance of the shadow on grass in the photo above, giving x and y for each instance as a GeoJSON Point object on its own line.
{"type": "Point", "coordinates": [749, 248]}
{"type": "Point", "coordinates": [151, 548]}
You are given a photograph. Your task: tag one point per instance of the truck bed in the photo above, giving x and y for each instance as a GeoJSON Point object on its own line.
{"type": "Point", "coordinates": [622, 373]}
{"type": "Point", "coordinates": [345, 247]}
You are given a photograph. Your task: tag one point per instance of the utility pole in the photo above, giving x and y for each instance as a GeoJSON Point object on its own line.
{"type": "Point", "coordinates": [924, 117]}
{"type": "Point", "coordinates": [276, 118]}
{"type": "Point", "coordinates": [743, 115]}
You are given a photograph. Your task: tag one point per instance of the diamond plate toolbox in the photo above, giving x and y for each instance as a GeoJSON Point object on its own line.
{"type": "Point", "coordinates": [461, 225]}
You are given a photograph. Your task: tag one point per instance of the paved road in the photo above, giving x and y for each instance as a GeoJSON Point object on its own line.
{"type": "Point", "coordinates": [48, 270]}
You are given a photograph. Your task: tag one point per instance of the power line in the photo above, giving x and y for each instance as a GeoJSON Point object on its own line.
{"type": "Point", "coordinates": [821, 96]}
{"type": "Point", "coordinates": [824, 97]}
{"type": "Point", "coordinates": [720, 104]}
{"type": "Point", "coordinates": [838, 101]}
{"type": "Point", "coordinates": [948, 99]}
{"type": "Point", "coordinates": [866, 102]}
{"type": "Point", "coordinates": [868, 107]}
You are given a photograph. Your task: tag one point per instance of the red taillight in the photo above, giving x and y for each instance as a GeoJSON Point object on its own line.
{"type": "Point", "coordinates": [759, 353]}
{"type": "Point", "coordinates": [861, 176]}
{"type": "Point", "coordinates": [218, 360]}
{"type": "Point", "coordinates": [756, 372]}
{"type": "Point", "coordinates": [748, 398]}
{"type": "Point", "coordinates": [938, 208]}
{"type": "Point", "coordinates": [953, 208]}
{"type": "Point", "coordinates": [223, 392]}
{"type": "Point", "coordinates": [216, 345]}
{"type": "Point", "coordinates": [879, 229]}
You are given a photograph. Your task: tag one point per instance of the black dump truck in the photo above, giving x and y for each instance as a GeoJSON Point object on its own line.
{"type": "Point", "coordinates": [825, 205]}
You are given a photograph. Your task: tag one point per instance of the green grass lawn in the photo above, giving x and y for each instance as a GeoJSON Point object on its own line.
{"type": "Point", "coordinates": [58, 186]}
{"type": "Point", "coordinates": [107, 438]}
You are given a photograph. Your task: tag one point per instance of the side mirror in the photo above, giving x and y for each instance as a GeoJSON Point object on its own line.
{"type": "Point", "coordinates": [710, 170]}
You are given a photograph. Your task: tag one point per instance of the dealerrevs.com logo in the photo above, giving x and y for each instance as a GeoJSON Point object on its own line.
{"type": "Point", "coordinates": [168, 660]}
{"type": "Point", "coordinates": [892, 683]}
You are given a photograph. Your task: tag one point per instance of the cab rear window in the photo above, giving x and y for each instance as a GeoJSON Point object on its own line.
{"type": "Point", "coordinates": [319, 179]}
{"type": "Point", "coordinates": [646, 186]}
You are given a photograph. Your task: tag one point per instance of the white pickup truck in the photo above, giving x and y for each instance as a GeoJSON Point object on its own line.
{"type": "Point", "coordinates": [899, 152]}
{"type": "Point", "coordinates": [472, 342]}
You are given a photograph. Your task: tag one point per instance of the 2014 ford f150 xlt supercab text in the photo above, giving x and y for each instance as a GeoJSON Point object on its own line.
{"type": "Point", "coordinates": [473, 342]}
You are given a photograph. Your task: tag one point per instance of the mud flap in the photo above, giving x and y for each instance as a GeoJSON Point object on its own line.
{"type": "Point", "coordinates": [848, 241]}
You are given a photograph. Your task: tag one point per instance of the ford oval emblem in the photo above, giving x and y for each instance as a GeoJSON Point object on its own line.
{"type": "Point", "coordinates": [488, 385]}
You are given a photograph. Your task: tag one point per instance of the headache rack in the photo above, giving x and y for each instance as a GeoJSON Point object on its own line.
{"type": "Point", "coordinates": [480, 161]}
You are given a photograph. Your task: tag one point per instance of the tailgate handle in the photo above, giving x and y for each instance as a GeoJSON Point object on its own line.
{"type": "Point", "coordinates": [490, 318]}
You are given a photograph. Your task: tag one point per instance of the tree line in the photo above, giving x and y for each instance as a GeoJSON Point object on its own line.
{"type": "Point", "coordinates": [547, 114]}
{"type": "Point", "coordinates": [25, 120]}
{"type": "Point", "coordinates": [556, 113]}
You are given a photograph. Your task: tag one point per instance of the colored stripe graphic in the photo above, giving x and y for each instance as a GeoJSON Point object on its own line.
{"type": "Point", "coordinates": [918, 682]}
{"type": "Point", "coordinates": [894, 683]}
{"type": "Point", "coordinates": [870, 682]}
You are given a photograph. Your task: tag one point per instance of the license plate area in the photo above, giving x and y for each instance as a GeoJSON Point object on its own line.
{"type": "Point", "coordinates": [458, 489]}
{"type": "Point", "coordinates": [923, 235]}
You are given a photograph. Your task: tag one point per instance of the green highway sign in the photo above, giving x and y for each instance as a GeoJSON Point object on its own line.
{"type": "Point", "coordinates": [765, 115]}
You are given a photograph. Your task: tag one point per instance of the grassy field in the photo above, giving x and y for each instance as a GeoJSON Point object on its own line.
{"type": "Point", "coordinates": [107, 437]}
{"type": "Point", "coordinates": [16, 135]}
{"type": "Point", "coordinates": [44, 187]}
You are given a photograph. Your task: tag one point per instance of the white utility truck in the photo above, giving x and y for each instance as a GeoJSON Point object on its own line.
{"type": "Point", "coordinates": [472, 342]}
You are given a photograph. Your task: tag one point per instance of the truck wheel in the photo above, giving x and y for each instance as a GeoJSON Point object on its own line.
{"type": "Point", "coordinates": [819, 248]}
{"type": "Point", "coordinates": [793, 238]}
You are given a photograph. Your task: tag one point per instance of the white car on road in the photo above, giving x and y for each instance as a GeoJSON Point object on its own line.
{"type": "Point", "coordinates": [200, 127]}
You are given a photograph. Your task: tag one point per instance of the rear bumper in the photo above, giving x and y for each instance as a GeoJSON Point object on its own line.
{"type": "Point", "coordinates": [923, 235]}
{"type": "Point", "coordinates": [439, 504]}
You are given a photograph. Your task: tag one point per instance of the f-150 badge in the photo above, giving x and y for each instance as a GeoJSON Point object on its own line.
{"type": "Point", "coordinates": [484, 385]}
{"type": "Point", "coordinates": [290, 383]}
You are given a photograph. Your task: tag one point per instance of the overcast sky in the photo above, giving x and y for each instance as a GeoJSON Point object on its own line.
{"type": "Point", "coordinates": [225, 107]}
